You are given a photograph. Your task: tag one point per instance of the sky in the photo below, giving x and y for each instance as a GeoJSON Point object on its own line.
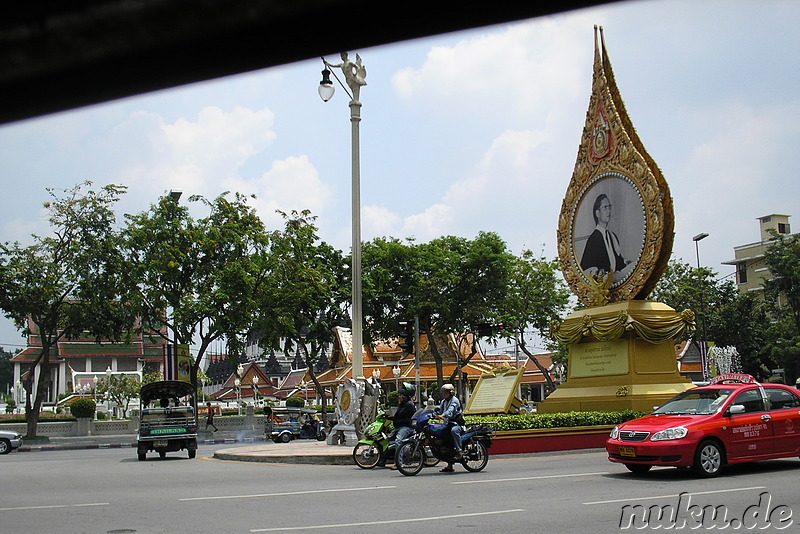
{"type": "Point", "coordinates": [461, 133]}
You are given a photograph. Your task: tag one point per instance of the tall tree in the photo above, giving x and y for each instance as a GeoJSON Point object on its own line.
{"type": "Point", "coordinates": [726, 317]}
{"type": "Point", "coordinates": [308, 294]}
{"type": "Point", "coordinates": [197, 280]}
{"type": "Point", "coordinates": [537, 296]}
{"type": "Point", "coordinates": [6, 371]}
{"type": "Point", "coordinates": [68, 283]}
{"type": "Point", "coordinates": [451, 283]}
{"type": "Point", "coordinates": [782, 294]}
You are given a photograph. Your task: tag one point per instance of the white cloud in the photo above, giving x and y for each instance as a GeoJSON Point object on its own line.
{"type": "Point", "coordinates": [527, 67]}
{"type": "Point", "coordinates": [290, 184]}
{"type": "Point", "coordinates": [195, 156]}
{"type": "Point", "coordinates": [379, 221]}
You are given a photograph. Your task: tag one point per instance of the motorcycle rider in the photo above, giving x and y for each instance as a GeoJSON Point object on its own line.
{"type": "Point", "coordinates": [402, 416]}
{"type": "Point", "coordinates": [450, 410]}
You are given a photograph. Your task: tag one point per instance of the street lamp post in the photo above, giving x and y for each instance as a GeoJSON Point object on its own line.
{"type": "Point", "coordinates": [355, 74]}
{"type": "Point", "coordinates": [109, 372]}
{"type": "Point", "coordinates": [396, 373]}
{"type": "Point", "coordinates": [303, 392]}
{"type": "Point", "coordinates": [703, 351]}
{"type": "Point", "coordinates": [20, 396]}
{"type": "Point", "coordinates": [238, 384]}
{"type": "Point", "coordinates": [94, 393]}
{"type": "Point", "coordinates": [255, 390]}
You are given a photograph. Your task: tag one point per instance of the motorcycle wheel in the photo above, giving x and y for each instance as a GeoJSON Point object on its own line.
{"type": "Point", "coordinates": [366, 455]}
{"type": "Point", "coordinates": [409, 458]}
{"type": "Point", "coordinates": [475, 457]}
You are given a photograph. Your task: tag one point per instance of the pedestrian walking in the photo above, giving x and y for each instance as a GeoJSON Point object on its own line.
{"type": "Point", "coordinates": [210, 417]}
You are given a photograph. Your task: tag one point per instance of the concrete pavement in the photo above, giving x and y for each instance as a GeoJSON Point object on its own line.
{"type": "Point", "coordinates": [300, 451]}
{"type": "Point", "coordinates": [245, 447]}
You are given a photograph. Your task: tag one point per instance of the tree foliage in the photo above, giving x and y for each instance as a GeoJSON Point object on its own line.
{"type": "Point", "coordinates": [67, 284]}
{"type": "Point", "coordinates": [451, 284]}
{"type": "Point", "coordinates": [120, 389]}
{"type": "Point", "coordinates": [197, 280]}
{"type": "Point", "coordinates": [723, 316]}
{"type": "Point", "coordinates": [454, 285]}
{"type": "Point", "coordinates": [537, 296]}
{"type": "Point", "coordinates": [306, 296]}
{"type": "Point", "coordinates": [782, 294]}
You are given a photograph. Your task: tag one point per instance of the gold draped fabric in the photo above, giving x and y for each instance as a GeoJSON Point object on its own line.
{"type": "Point", "coordinates": [654, 328]}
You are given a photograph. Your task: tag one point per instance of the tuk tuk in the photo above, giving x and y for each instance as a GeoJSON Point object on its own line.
{"type": "Point", "coordinates": [285, 424]}
{"type": "Point", "coordinates": [169, 425]}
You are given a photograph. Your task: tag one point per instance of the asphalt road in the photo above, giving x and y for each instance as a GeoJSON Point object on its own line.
{"type": "Point", "coordinates": [110, 491]}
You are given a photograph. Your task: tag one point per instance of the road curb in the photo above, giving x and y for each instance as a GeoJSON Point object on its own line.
{"type": "Point", "coordinates": [314, 459]}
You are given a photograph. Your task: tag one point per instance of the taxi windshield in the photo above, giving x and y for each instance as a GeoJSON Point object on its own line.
{"type": "Point", "coordinates": [695, 402]}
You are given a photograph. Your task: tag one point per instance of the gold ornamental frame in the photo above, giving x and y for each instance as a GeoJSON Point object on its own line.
{"type": "Point", "coordinates": [611, 157]}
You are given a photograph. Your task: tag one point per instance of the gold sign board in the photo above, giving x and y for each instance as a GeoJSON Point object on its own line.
{"type": "Point", "coordinates": [495, 392]}
{"type": "Point", "coordinates": [599, 358]}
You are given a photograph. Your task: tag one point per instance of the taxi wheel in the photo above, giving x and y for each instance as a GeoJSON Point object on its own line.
{"type": "Point", "coordinates": [638, 468]}
{"type": "Point", "coordinates": [708, 459]}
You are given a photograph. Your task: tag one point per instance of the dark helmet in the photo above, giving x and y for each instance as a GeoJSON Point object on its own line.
{"type": "Point", "coordinates": [408, 390]}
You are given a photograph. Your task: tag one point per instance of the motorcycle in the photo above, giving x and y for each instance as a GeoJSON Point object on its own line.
{"type": "Point", "coordinates": [370, 450]}
{"type": "Point", "coordinates": [376, 449]}
{"type": "Point", "coordinates": [432, 437]}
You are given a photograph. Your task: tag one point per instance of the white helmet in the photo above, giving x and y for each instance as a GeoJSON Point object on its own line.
{"type": "Point", "coordinates": [448, 387]}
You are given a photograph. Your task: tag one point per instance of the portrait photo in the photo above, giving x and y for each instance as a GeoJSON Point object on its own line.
{"type": "Point", "coordinates": [609, 228]}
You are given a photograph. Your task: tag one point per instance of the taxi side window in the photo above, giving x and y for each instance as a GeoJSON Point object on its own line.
{"type": "Point", "coordinates": [780, 399]}
{"type": "Point", "coordinates": [751, 400]}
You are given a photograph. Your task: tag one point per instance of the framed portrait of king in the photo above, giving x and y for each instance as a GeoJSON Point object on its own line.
{"type": "Point", "coordinates": [613, 243]}
{"type": "Point", "coordinates": [609, 228]}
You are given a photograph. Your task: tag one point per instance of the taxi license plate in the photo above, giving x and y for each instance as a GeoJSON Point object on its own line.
{"type": "Point", "coordinates": [630, 452]}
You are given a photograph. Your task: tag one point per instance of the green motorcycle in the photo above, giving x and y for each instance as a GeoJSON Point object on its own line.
{"type": "Point", "coordinates": [371, 450]}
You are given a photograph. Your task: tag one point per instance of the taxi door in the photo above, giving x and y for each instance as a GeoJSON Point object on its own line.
{"type": "Point", "coordinates": [785, 411]}
{"type": "Point", "coordinates": [750, 433]}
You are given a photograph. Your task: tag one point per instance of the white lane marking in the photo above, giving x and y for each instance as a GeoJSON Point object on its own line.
{"type": "Point", "coordinates": [284, 493]}
{"type": "Point", "coordinates": [389, 522]}
{"type": "Point", "coordinates": [542, 477]}
{"type": "Point", "coordinates": [710, 492]}
{"type": "Point", "coordinates": [52, 506]}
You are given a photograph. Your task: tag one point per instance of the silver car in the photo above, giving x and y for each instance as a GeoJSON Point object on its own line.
{"type": "Point", "coordinates": [9, 441]}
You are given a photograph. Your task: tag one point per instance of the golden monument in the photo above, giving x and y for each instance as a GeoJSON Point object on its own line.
{"type": "Point", "coordinates": [615, 235]}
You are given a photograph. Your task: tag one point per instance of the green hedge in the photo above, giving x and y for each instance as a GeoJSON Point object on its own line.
{"type": "Point", "coordinates": [295, 402]}
{"type": "Point", "coordinates": [82, 407]}
{"type": "Point", "coordinates": [554, 420]}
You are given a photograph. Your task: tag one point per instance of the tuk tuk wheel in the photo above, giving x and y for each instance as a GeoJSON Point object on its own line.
{"type": "Point", "coordinates": [192, 453]}
{"type": "Point", "coordinates": [286, 437]}
{"type": "Point", "coordinates": [142, 456]}
{"type": "Point", "coordinates": [321, 436]}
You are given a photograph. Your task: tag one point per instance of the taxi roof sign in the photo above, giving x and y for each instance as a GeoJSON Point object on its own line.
{"type": "Point", "coordinates": [733, 378]}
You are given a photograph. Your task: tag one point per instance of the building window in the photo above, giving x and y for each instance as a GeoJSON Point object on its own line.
{"type": "Point", "coordinates": [741, 272]}
{"type": "Point", "coordinates": [783, 228]}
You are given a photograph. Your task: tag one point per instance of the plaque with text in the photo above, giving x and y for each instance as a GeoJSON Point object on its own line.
{"type": "Point", "coordinates": [600, 358]}
{"type": "Point", "coordinates": [495, 392]}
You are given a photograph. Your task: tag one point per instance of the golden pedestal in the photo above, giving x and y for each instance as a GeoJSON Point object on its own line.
{"type": "Point", "coordinates": [621, 357]}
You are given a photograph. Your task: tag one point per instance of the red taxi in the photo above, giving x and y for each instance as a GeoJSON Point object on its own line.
{"type": "Point", "coordinates": [731, 420]}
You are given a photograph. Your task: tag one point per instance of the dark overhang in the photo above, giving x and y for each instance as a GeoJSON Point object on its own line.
{"type": "Point", "coordinates": [62, 54]}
